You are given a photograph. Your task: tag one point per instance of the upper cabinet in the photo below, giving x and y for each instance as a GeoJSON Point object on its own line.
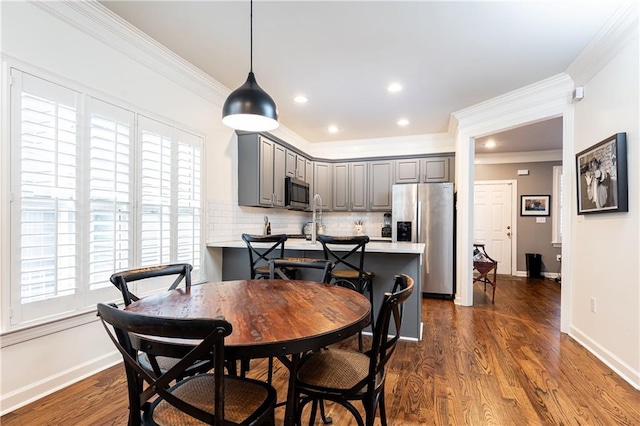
{"type": "Point", "coordinates": [340, 201]}
{"type": "Point", "coordinates": [408, 171]}
{"type": "Point", "coordinates": [381, 175]}
{"type": "Point", "coordinates": [296, 166]}
{"type": "Point", "coordinates": [264, 162]}
{"type": "Point", "coordinates": [358, 185]}
{"type": "Point", "coordinates": [435, 169]}
{"type": "Point", "coordinates": [261, 171]}
{"type": "Point", "coordinates": [322, 184]}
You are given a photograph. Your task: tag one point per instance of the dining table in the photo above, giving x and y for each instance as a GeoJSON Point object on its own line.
{"type": "Point", "coordinates": [270, 318]}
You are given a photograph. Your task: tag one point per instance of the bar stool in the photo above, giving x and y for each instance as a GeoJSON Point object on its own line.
{"type": "Point", "coordinates": [259, 257]}
{"type": "Point", "coordinates": [352, 274]}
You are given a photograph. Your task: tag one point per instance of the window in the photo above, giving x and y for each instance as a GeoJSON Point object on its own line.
{"type": "Point", "coordinates": [95, 188]}
{"type": "Point", "coordinates": [556, 207]}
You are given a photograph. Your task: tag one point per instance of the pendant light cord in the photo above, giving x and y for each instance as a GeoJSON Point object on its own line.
{"type": "Point", "coordinates": [251, 37]}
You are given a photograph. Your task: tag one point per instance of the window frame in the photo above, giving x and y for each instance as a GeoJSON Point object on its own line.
{"type": "Point", "coordinates": [82, 312]}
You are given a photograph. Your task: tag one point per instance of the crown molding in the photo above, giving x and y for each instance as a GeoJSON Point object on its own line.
{"type": "Point", "coordinates": [619, 30]}
{"type": "Point", "coordinates": [508, 107]}
{"type": "Point", "coordinates": [519, 157]}
{"type": "Point", "coordinates": [97, 21]}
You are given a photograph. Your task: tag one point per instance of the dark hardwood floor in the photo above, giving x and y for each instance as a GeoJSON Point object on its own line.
{"type": "Point", "coordinates": [502, 364]}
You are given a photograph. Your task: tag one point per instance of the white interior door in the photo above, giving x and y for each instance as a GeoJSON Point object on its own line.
{"type": "Point", "coordinates": [493, 217]}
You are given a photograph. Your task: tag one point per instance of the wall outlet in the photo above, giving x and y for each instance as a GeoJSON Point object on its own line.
{"type": "Point", "coordinates": [558, 257]}
{"type": "Point", "coordinates": [593, 304]}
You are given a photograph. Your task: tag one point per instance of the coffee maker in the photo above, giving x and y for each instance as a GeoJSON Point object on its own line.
{"type": "Point", "coordinates": [386, 228]}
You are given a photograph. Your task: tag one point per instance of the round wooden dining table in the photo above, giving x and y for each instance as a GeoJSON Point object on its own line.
{"type": "Point", "coordinates": [280, 318]}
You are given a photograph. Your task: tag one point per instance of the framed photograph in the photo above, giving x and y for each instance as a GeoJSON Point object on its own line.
{"type": "Point", "coordinates": [602, 176]}
{"type": "Point", "coordinates": [535, 205]}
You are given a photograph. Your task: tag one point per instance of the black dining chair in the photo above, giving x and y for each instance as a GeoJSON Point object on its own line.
{"type": "Point", "coordinates": [259, 256]}
{"type": "Point", "coordinates": [278, 268]}
{"type": "Point", "coordinates": [182, 272]}
{"type": "Point", "coordinates": [213, 398]}
{"type": "Point", "coordinates": [343, 376]}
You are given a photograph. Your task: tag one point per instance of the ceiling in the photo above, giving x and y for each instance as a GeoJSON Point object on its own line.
{"type": "Point", "coordinates": [447, 55]}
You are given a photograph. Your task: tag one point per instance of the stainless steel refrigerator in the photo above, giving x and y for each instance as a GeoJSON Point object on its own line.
{"type": "Point", "coordinates": [424, 213]}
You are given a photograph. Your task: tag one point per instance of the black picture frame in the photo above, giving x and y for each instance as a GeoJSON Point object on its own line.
{"type": "Point", "coordinates": [602, 185]}
{"type": "Point", "coordinates": [535, 205]}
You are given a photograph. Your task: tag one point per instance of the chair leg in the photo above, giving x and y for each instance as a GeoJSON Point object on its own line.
{"type": "Point", "coordinates": [326, 420]}
{"type": "Point", "coordinates": [314, 410]}
{"type": "Point", "coordinates": [383, 410]}
{"type": "Point", "coordinates": [270, 372]}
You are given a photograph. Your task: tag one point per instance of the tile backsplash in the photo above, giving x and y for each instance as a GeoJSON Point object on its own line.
{"type": "Point", "coordinates": [226, 221]}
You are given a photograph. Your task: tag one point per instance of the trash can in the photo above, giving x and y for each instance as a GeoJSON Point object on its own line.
{"type": "Point", "coordinates": [534, 265]}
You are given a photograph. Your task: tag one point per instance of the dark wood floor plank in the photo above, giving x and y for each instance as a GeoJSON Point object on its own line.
{"type": "Point", "coordinates": [502, 364]}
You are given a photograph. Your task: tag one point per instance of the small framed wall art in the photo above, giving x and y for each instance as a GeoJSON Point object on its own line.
{"type": "Point", "coordinates": [535, 205]}
{"type": "Point", "coordinates": [602, 176]}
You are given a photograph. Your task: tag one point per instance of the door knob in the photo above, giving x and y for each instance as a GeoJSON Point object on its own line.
{"type": "Point", "coordinates": [508, 234]}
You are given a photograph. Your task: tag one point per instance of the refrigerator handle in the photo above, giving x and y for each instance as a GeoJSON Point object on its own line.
{"type": "Point", "coordinates": [419, 224]}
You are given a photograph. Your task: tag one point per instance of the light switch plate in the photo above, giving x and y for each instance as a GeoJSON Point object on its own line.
{"type": "Point", "coordinates": [541, 220]}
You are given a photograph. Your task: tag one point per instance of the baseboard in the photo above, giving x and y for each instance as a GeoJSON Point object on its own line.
{"type": "Point", "coordinates": [550, 275]}
{"type": "Point", "coordinates": [20, 397]}
{"type": "Point", "coordinates": [616, 364]}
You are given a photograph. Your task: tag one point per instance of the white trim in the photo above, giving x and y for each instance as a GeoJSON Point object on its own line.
{"type": "Point", "coordinates": [624, 370]}
{"type": "Point", "coordinates": [549, 275]}
{"type": "Point", "coordinates": [514, 216]}
{"type": "Point", "coordinates": [34, 391]}
{"type": "Point", "coordinates": [549, 98]}
{"type": "Point", "coordinates": [556, 235]}
{"type": "Point", "coordinates": [519, 157]}
{"type": "Point", "coordinates": [618, 31]}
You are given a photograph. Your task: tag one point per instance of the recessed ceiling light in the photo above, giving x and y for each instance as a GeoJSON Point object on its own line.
{"type": "Point", "coordinates": [490, 144]}
{"type": "Point", "coordinates": [333, 129]}
{"type": "Point", "coordinates": [301, 99]}
{"type": "Point", "coordinates": [394, 87]}
{"type": "Point", "coordinates": [403, 122]}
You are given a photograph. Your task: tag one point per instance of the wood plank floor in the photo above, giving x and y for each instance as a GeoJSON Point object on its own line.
{"type": "Point", "coordinates": [502, 364]}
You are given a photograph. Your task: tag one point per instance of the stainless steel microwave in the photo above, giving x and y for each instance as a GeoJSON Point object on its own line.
{"type": "Point", "coordinates": [296, 194]}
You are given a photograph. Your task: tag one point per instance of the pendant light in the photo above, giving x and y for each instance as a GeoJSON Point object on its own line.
{"type": "Point", "coordinates": [249, 107]}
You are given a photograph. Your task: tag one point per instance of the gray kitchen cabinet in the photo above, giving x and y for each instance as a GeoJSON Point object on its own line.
{"type": "Point", "coordinates": [308, 175]}
{"type": "Point", "coordinates": [340, 187]}
{"type": "Point", "coordinates": [358, 179]}
{"type": "Point", "coordinates": [435, 169]}
{"type": "Point", "coordinates": [381, 178]}
{"type": "Point", "coordinates": [408, 171]}
{"type": "Point", "coordinates": [291, 164]}
{"type": "Point", "coordinates": [301, 168]}
{"type": "Point", "coordinates": [279, 164]}
{"type": "Point", "coordinates": [322, 184]}
{"type": "Point", "coordinates": [261, 171]}
{"type": "Point", "coordinates": [296, 165]}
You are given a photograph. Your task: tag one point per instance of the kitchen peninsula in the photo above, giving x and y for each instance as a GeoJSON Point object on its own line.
{"type": "Point", "coordinates": [386, 259]}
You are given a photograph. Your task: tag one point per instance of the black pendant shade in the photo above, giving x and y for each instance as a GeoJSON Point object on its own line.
{"type": "Point", "coordinates": [250, 108]}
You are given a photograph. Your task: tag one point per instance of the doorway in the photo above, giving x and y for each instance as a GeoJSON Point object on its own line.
{"type": "Point", "coordinates": [494, 221]}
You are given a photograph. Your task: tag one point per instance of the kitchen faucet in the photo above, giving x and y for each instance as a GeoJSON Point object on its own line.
{"type": "Point", "coordinates": [317, 201]}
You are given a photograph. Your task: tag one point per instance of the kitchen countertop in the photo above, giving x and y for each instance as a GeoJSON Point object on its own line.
{"type": "Point", "coordinates": [302, 244]}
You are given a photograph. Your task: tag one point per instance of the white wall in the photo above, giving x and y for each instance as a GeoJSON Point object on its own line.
{"type": "Point", "coordinates": [607, 246]}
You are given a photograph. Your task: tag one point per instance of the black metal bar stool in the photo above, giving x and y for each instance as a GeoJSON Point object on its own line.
{"type": "Point", "coordinates": [352, 273]}
{"type": "Point", "coordinates": [259, 256]}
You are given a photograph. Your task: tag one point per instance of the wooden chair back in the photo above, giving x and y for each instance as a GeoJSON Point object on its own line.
{"type": "Point", "coordinates": [123, 278]}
